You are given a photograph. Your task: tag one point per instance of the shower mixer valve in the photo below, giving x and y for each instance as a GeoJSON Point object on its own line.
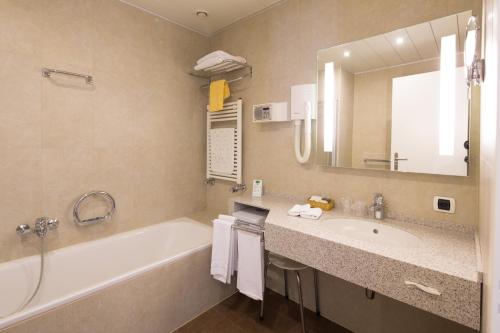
{"type": "Point", "coordinates": [42, 226]}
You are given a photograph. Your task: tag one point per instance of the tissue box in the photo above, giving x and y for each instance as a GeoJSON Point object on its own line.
{"type": "Point", "coordinates": [324, 206]}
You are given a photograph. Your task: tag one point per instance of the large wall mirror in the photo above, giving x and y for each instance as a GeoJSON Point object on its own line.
{"type": "Point", "coordinates": [398, 101]}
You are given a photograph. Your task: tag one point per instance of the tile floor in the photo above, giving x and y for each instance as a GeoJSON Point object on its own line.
{"type": "Point", "coordinates": [239, 314]}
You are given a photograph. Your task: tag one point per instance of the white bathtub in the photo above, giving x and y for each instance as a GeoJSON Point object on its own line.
{"type": "Point", "coordinates": [79, 270]}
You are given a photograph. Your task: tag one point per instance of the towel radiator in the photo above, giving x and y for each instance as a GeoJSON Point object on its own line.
{"type": "Point", "coordinates": [230, 117]}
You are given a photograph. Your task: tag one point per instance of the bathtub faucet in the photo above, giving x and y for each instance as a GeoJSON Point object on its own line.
{"type": "Point", "coordinates": [42, 226]}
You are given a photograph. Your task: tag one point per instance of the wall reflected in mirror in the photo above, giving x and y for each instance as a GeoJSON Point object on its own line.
{"type": "Point", "coordinates": [397, 101]}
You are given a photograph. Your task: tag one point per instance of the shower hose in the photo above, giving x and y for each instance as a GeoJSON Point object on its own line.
{"type": "Point", "coordinates": [40, 277]}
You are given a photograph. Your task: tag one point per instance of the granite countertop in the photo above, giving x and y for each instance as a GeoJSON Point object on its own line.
{"type": "Point", "coordinates": [441, 255]}
{"type": "Point", "coordinates": [443, 247]}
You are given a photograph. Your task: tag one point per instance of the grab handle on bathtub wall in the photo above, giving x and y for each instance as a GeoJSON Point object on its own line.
{"type": "Point", "coordinates": [93, 220]}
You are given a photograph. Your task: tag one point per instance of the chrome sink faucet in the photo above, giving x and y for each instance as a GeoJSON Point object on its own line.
{"type": "Point", "coordinates": [42, 226]}
{"type": "Point", "coordinates": [378, 206]}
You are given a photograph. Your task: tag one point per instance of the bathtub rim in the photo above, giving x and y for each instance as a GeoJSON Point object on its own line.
{"type": "Point", "coordinates": [25, 315]}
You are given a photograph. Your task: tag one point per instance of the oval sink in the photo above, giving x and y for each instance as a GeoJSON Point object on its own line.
{"type": "Point", "coordinates": [372, 232]}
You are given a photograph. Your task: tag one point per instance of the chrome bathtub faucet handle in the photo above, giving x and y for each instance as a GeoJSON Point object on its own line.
{"type": "Point", "coordinates": [23, 229]}
{"type": "Point", "coordinates": [52, 224]}
{"type": "Point", "coordinates": [41, 227]}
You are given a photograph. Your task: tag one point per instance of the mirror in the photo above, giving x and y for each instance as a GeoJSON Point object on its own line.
{"type": "Point", "coordinates": [397, 101]}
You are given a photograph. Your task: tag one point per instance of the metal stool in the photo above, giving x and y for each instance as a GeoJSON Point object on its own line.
{"type": "Point", "coordinates": [290, 265]}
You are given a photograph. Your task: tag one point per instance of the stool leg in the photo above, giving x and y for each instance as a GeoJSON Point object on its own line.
{"type": "Point", "coordinates": [285, 277]}
{"type": "Point", "coordinates": [299, 288]}
{"type": "Point", "coordinates": [316, 294]}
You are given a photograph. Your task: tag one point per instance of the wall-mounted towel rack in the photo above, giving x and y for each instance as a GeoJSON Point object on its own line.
{"type": "Point", "coordinates": [47, 72]}
{"type": "Point", "coordinates": [85, 196]}
{"type": "Point", "coordinates": [228, 81]}
{"type": "Point", "coordinates": [240, 225]}
{"type": "Point", "coordinates": [224, 143]}
{"type": "Point", "coordinates": [226, 67]}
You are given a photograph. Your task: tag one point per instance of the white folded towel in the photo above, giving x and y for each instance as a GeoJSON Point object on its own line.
{"type": "Point", "coordinates": [219, 55]}
{"type": "Point", "coordinates": [223, 246]}
{"type": "Point", "coordinates": [214, 54]}
{"type": "Point", "coordinates": [312, 213]}
{"type": "Point", "coordinates": [227, 218]}
{"type": "Point", "coordinates": [233, 251]}
{"type": "Point", "coordinates": [305, 211]}
{"type": "Point", "coordinates": [250, 265]}
{"type": "Point", "coordinates": [297, 209]}
{"type": "Point", "coordinates": [216, 58]}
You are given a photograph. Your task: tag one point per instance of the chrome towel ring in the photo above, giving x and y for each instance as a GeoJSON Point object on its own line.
{"type": "Point", "coordinates": [109, 214]}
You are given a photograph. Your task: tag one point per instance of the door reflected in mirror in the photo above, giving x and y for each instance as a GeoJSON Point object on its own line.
{"type": "Point", "coordinates": [397, 101]}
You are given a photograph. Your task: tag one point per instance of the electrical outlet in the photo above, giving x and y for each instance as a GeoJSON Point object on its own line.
{"type": "Point", "coordinates": [444, 204]}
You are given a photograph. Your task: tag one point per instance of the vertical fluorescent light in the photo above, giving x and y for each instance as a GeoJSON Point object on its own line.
{"type": "Point", "coordinates": [447, 87]}
{"type": "Point", "coordinates": [329, 106]}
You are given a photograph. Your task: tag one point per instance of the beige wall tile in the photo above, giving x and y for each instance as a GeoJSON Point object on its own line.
{"type": "Point", "coordinates": [21, 185]}
{"type": "Point", "coordinates": [138, 132]}
{"type": "Point", "coordinates": [67, 32]}
{"type": "Point", "coordinates": [20, 26]}
{"type": "Point", "coordinates": [67, 117]}
{"type": "Point", "coordinates": [20, 101]}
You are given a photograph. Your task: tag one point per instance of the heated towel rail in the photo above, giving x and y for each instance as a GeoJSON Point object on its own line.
{"type": "Point", "coordinates": [223, 163]}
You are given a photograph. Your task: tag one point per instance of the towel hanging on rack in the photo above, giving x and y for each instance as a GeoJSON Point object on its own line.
{"type": "Point", "coordinates": [222, 146]}
{"type": "Point", "coordinates": [219, 91]}
{"type": "Point", "coordinates": [229, 119]}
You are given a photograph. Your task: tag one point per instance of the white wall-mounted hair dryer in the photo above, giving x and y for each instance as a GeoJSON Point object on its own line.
{"type": "Point", "coordinates": [303, 107]}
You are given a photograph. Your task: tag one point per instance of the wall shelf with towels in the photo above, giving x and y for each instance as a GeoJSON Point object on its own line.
{"type": "Point", "coordinates": [234, 69]}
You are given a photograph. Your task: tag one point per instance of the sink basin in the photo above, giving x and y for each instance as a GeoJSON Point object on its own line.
{"type": "Point", "coordinates": [372, 232]}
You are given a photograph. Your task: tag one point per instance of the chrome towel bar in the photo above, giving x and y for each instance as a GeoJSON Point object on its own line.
{"type": "Point", "coordinates": [246, 227]}
{"type": "Point", "coordinates": [107, 216]}
{"type": "Point", "coordinates": [47, 72]}
{"type": "Point", "coordinates": [249, 227]}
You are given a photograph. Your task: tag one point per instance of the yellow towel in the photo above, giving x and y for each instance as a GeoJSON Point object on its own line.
{"type": "Point", "coordinates": [219, 91]}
